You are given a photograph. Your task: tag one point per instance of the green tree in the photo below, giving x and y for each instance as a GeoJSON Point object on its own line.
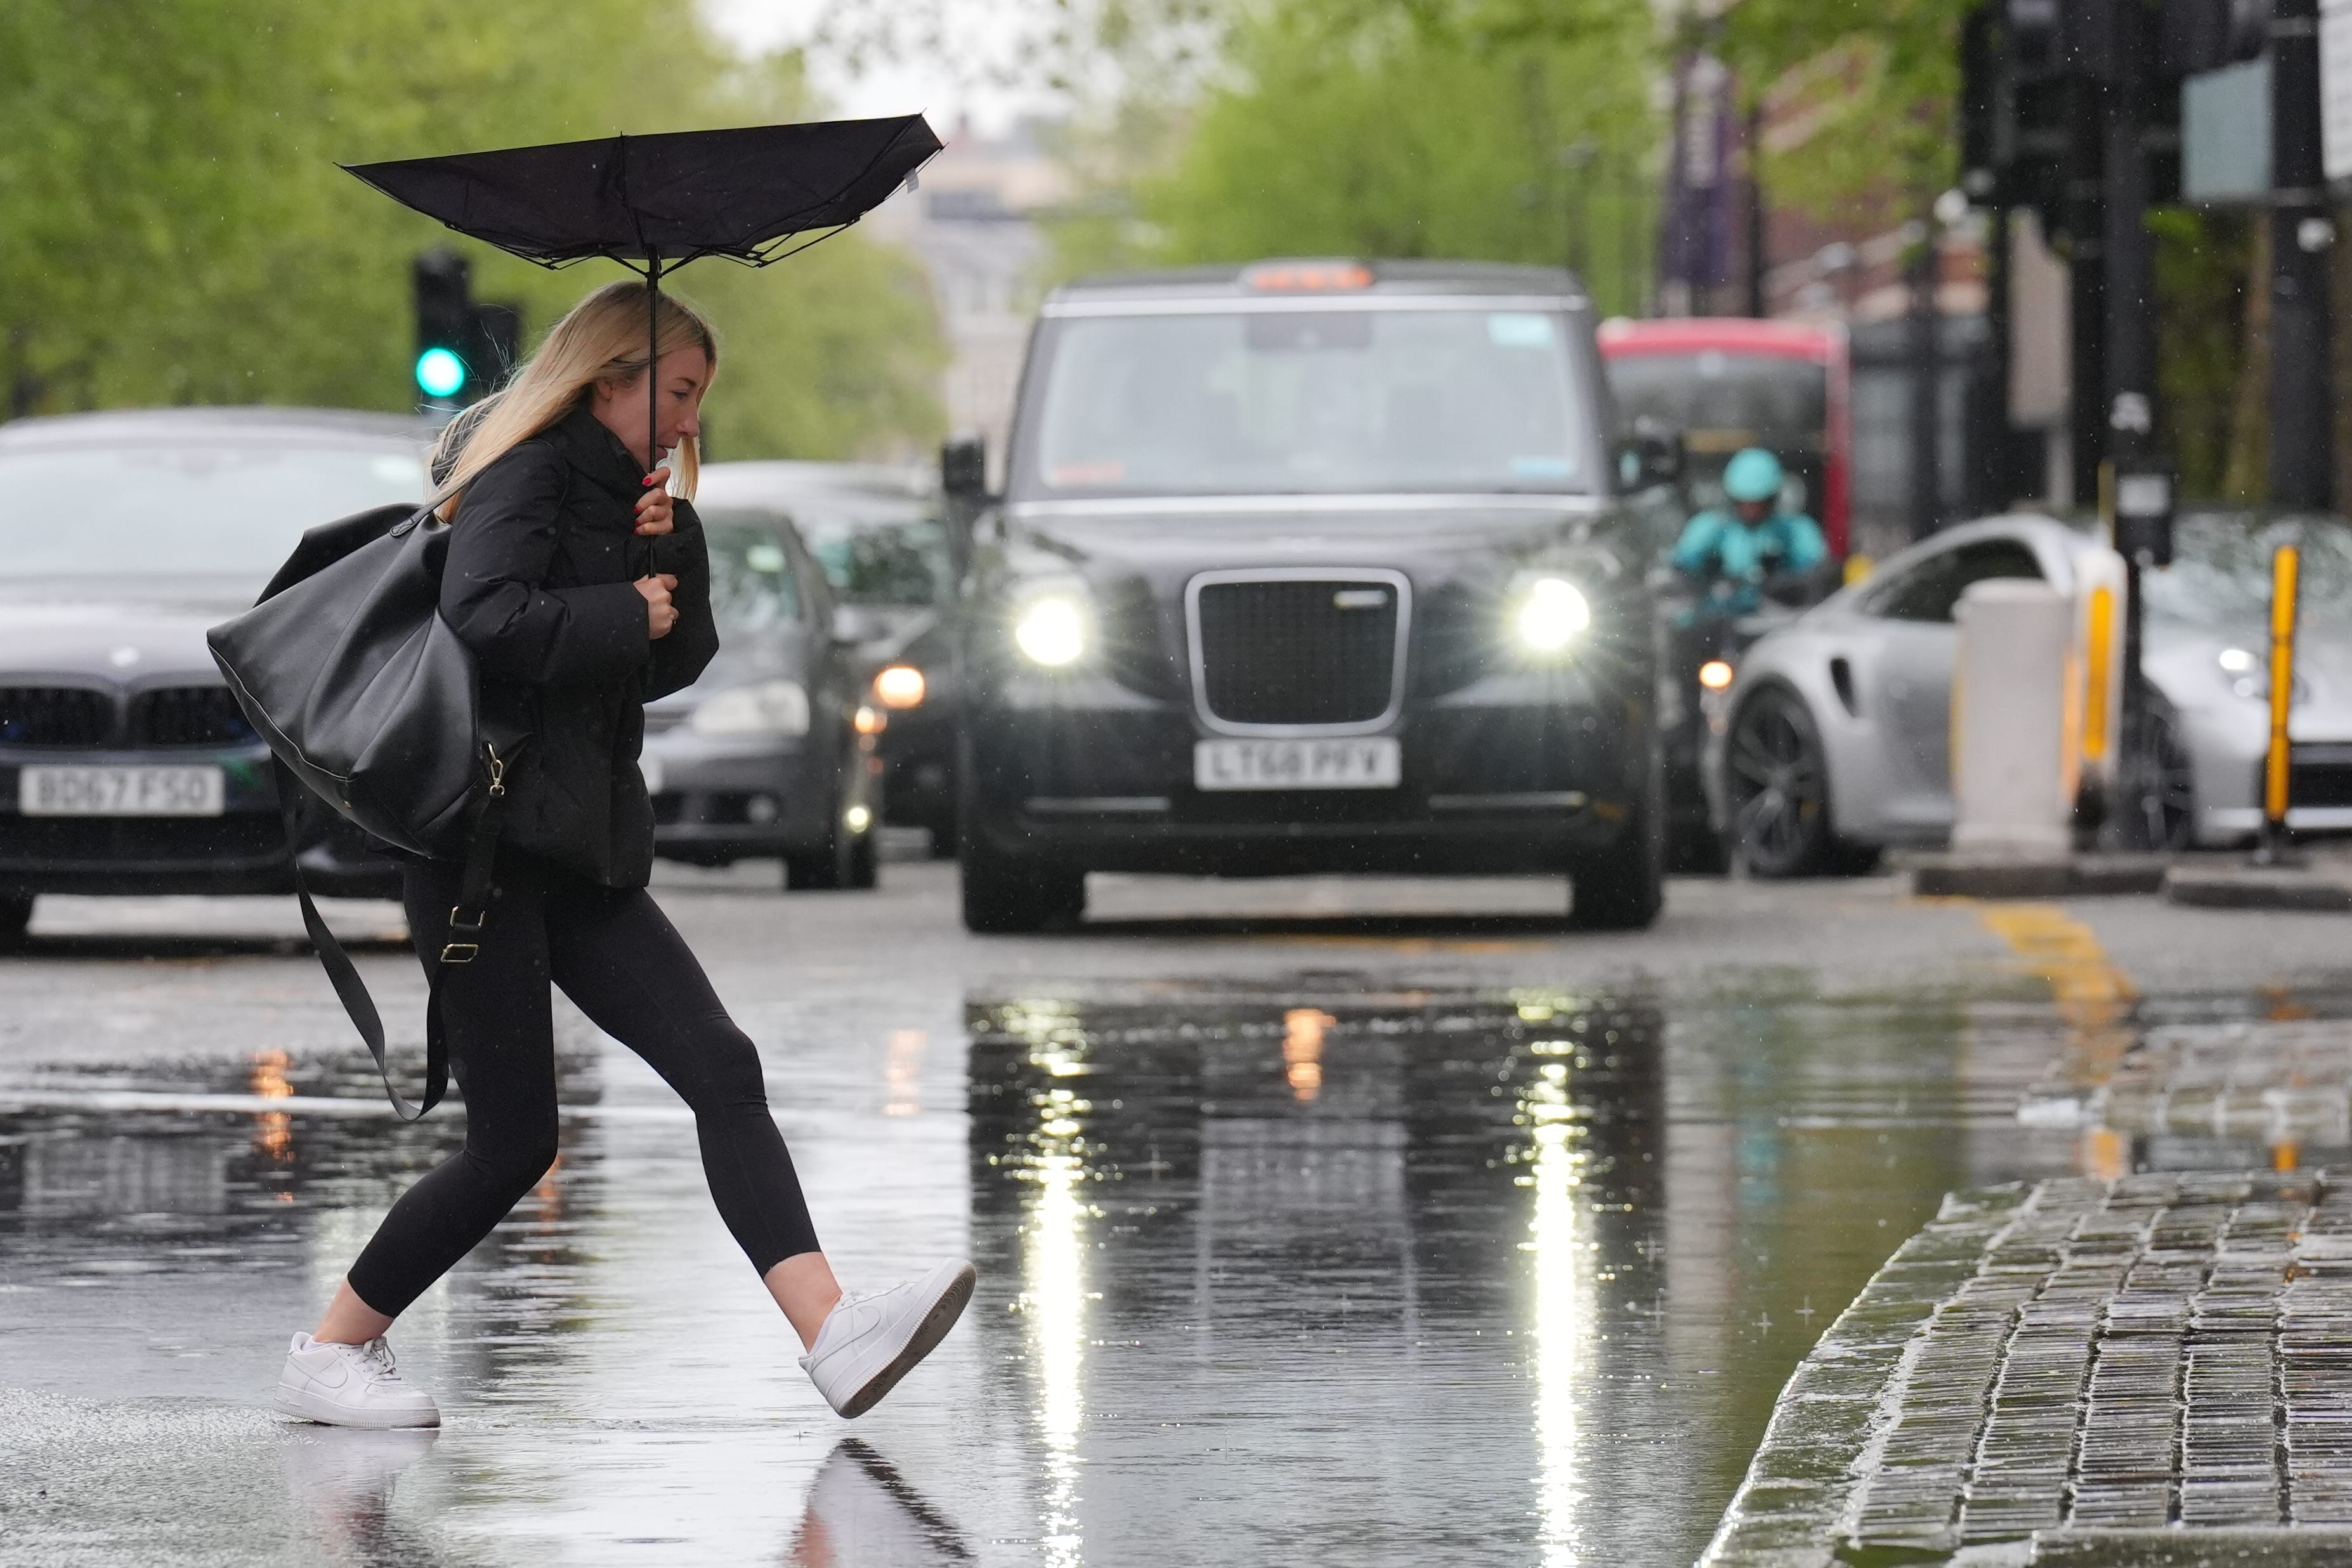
{"type": "Point", "coordinates": [173, 228]}
{"type": "Point", "coordinates": [1410, 130]}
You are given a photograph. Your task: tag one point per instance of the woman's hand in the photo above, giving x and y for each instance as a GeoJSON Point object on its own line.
{"type": "Point", "coordinates": [654, 512]}
{"type": "Point", "coordinates": [660, 614]}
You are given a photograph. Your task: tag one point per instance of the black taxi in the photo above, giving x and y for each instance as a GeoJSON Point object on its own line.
{"type": "Point", "coordinates": [1307, 566]}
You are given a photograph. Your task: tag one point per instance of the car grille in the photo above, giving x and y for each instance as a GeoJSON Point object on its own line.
{"type": "Point", "coordinates": [188, 715]}
{"type": "Point", "coordinates": [1297, 652]}
{"type": "Point", "coordinates": [55, 716]}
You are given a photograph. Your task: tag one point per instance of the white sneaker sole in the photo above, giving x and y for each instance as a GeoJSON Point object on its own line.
{"type": "Point", "coordinates": [946, 1308]}
{"type": "Point", "coordinates": [304, 1406]}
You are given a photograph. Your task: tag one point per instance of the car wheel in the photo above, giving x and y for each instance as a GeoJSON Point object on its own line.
{"type": "Point", "coordinates": [1008, 893]}
{"type": "Point", "coordinates": [1776, 773]}
{"type": "Point", "coordinates": [16, 915]}
{"type": "Point", "coordinates": [865, 862]}
{"type": "Point", "coordinates": [2159, 786]}
{"type": "Point", "coordinates": [846, 860]}
{"type": "Point", "coordinates": [1622, 888]}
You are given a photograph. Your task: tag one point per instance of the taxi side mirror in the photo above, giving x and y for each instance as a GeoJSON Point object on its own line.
{"type": "Point", "coordinates": [963, 485]}
{"type": "Point", "coordinates": [963, 467]}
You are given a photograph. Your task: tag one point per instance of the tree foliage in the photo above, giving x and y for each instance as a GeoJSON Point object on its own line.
{"type": "Point", "coordinates": [1879, 112]}
{"type": "Point", "coordinates": [174, 227]}
{"type": "Point", "coordinates": [1485, 129]}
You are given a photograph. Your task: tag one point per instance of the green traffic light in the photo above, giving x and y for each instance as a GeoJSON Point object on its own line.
{"type": "Point", "coordinates": [440, 373]}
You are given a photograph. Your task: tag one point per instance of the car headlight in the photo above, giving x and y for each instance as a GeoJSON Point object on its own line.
{"type": "Point", "coordinates": [2248, 675]}
{"type": "Point", "coordinates": [1051, 629]}
{"type": "Point", "coordinates": [900, 686]}
{"type": "Point", "coordinates": [1550, 614]}
{"type": "Point", "coordinates": [779, 708]}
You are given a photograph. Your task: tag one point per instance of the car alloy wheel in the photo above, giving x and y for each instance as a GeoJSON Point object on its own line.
{"type": "Point", "coordinates": [1778, 780]}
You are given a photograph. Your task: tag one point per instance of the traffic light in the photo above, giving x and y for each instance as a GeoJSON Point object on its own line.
{"type": "Point", "coordinates": [462, 348]}
{"type": "Point", "coordinates": [445, 309]}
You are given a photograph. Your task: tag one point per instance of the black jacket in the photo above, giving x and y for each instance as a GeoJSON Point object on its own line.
{"type": "Point", "coordinates": [541, 585]}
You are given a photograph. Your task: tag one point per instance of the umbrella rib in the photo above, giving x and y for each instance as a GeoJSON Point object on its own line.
{"type": "Point", "coordinates": [768, 258]}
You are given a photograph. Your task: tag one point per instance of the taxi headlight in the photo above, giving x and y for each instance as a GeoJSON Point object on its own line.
{"type": "Point", "coordinates": [1051, 629]}
{"type": "Point", "coordinates": [900, 686]}
{"type": "Point", "coordinates": [1550, 614]}
{"type": "Point", "coordinates": [778, 707]}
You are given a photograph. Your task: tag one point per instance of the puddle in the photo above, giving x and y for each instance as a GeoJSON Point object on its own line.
{"type": "Point", "coordinates": [1324, 1268]}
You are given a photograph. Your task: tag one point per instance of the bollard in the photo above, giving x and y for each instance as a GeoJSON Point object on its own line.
{"type": "Point", "coordinates": [2287, 575]}
{"type": "Point", "coordinates": [2014, 738]}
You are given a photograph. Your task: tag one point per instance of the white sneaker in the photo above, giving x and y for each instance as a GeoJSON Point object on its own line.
{"type": "Point", "coordinates": [869, 1343]}
{"type": "Point", "coordinates": [350, 1385]}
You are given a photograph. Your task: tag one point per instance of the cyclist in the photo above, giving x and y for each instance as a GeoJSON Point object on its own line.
{"type": "Point", "coordinates": [1733, 553]}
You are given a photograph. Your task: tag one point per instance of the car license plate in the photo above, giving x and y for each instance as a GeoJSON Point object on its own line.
{"type": "Point", "coordinates": [1373, 763]}
{"type": "Point", "coordinates": [119, 792]}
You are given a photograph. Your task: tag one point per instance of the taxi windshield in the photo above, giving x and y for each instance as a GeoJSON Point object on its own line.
{"type": "Point", "coordinates": [1324, 400]}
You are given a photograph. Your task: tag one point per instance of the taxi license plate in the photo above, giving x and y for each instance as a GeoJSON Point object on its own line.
{"type": "Point", "coordinates": [119, 792]}
{"type": "Point", "coordinates": [1371, 763]}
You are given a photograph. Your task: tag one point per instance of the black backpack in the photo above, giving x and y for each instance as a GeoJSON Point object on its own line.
{"type": "Point", "coordinates": [367, 698]}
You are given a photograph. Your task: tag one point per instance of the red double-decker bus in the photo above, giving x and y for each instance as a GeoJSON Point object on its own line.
{"type": "Point", "coordinates": [1729, 382]}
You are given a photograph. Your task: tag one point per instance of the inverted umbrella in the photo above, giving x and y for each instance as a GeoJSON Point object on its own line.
{"type": "Point", "coordinates": [656, 203]}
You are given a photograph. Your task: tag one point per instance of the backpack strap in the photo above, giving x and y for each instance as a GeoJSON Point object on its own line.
{"type": "Point", "coordinates": [466, 922]}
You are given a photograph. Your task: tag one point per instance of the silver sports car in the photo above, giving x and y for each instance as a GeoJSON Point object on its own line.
{"type": "Point", "coordinates": [1833, 740]}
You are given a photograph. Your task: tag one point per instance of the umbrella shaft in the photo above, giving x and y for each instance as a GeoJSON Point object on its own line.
{"type": "Point", "coordinates": [653, 355]}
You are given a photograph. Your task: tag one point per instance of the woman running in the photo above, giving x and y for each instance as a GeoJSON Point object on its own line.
{"type": "Point", "coordinates": [584, 592]}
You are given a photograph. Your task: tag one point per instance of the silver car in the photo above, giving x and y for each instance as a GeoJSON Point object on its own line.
{"type": "Point", "coordinates": [1835, 740]}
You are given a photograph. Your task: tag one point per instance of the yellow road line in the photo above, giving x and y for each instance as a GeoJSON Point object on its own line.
{"type": "Point", "coordinates": [2094, 999]}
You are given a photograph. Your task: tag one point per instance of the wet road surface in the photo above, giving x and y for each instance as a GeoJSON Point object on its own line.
{"type": "Point", "coordinates": [1431, 1236]}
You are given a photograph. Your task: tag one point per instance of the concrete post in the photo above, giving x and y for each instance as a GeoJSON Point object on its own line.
{"type": "Point", "coordinates": [2014, 729]}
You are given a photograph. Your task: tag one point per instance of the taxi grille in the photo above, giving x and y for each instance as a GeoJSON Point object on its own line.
{"type": "Point", "coordinates": [1303, 652]}
{"type": "Point", "coordinates": [54, 716]}
{"type": "Point", "coordinates": [188, 715]}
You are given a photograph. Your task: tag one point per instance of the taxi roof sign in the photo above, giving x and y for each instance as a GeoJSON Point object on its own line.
{"type": "Point", "coordinates": [1307, 277]}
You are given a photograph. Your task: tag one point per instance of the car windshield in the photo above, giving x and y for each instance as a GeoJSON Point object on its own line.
{"type": "Point", "coordinates": [235, 509]}
{"type": "Point", "coordinates": [752, 585]}
{"type": "Point", "coordinates": [2220, 578]}
{"type": "Point", "coordinates": [1307, 401]}
{"type": "Point", "coordinates": [877, 553]}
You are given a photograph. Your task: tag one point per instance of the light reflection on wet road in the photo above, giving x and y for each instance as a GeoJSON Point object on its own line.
{"type": "Point", "coordinates": [1323, 1265]}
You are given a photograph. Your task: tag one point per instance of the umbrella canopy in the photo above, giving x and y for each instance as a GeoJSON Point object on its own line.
{"type": "Point", "coordinates": [656, 203]}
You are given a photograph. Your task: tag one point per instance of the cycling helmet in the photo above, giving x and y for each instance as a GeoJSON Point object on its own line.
{"type": "Point", "coordinates": [1753, 475]}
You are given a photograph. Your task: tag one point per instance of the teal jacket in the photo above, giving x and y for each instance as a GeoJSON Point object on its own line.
{"type": "Point", "coordinates": [1736, 558]}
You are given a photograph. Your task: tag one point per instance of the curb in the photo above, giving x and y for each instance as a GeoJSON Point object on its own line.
{"type": "Point", "coordinates": [2072, 877]}
{"type": "Point", "coordinates": [2258, 887]}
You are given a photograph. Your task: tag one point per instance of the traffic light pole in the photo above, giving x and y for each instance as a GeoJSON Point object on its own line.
{"type": "Point", "coordinates": [2301, 413]}
{"type": "Point", "coordinates": [2084, 191]}
{"type": "Point", "coordinates": [2130, 374]}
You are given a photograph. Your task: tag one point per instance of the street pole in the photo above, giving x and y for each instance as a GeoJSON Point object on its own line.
{"type": "Point", "coordinates": [1757, 305]}
{"type": "Point", "coordinates": [1925, 356]}
{"type": "Point", "coordinates": [2086, 279]}
{"type": "Point", "coordinates": [1992, 482]}
{"type": "Point", "coordinates": [2130, 363]}
{"type": "Point", "coordinates": [2301, 413]}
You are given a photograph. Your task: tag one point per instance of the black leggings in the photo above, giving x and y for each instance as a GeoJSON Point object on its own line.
{"type": "Point", "coordinates": [617, 957]}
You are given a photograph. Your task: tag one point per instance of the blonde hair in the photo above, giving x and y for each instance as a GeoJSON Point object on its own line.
{"type": "Point", "coordinates": [603, 338]}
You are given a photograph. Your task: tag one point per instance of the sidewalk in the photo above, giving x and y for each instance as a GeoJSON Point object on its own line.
{"type": "Point", "coordinates": [2158, 1370]}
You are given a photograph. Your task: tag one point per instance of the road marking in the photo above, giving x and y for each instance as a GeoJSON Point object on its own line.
{"type": "Point", "coordinates": [2094, 999]}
